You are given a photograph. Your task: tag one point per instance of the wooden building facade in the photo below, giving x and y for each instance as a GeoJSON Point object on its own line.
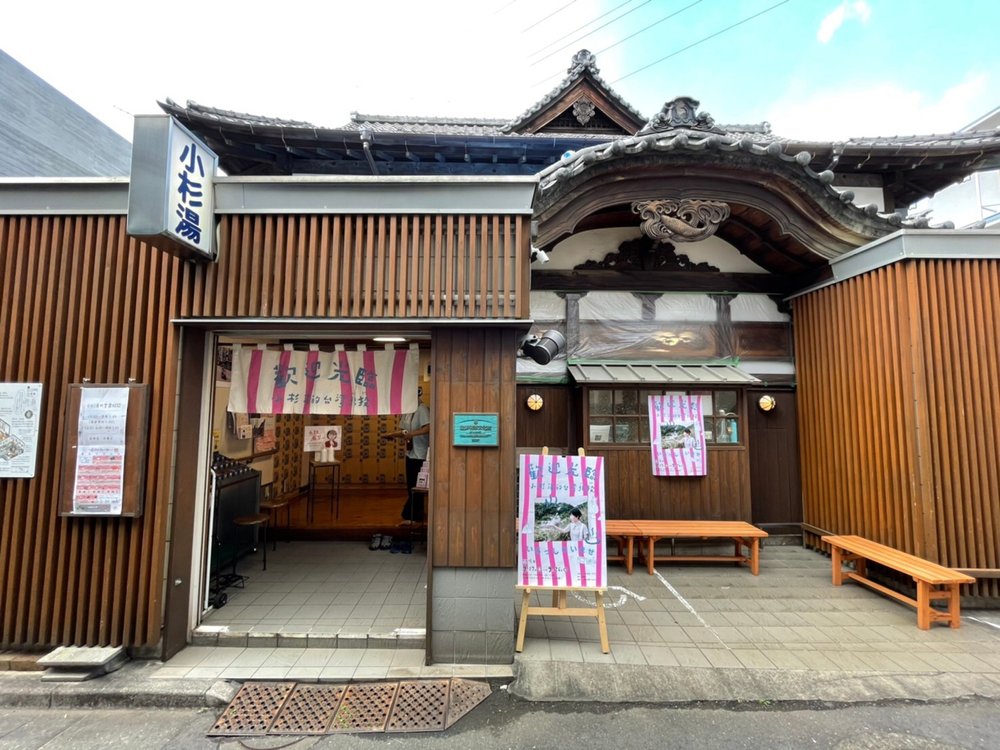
{"type": "Point", "coordinates": [675, 245]}
{"type": "Point", "coordinates": [898, 406]}
{"type": "Point", "coordinates": [89, 303]}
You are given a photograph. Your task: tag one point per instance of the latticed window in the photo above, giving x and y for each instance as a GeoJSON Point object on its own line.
{"type": "Point", "coordinates": [621, 415]}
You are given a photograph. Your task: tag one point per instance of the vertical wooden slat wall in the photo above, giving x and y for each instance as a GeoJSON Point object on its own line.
{"type": "Point", "coordinates": [82, 300]}
{"type": "Point", "coordinates": [366, 266]}
{"type": "Point", "coordinates": [472, 493]}
{"type": "Point", "coordinates": [899, 416]}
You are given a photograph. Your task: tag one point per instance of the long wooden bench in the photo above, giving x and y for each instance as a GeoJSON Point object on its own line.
{"type": "Point", "coordinates": [934, 582]}
{"type": "Point", "coordinates": [648, 533]}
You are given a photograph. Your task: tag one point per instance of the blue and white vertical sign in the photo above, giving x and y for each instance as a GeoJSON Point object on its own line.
{"type": "Point", "coordinates": [172, 187]}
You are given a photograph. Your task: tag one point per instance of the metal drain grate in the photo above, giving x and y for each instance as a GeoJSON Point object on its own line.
{"type": "Point", "coordinates": [309, 710]}
{"type": "Point", "coordinates": [365, 707]}
{"type": "Point", "coordinates": [420, 707]}
{"type": "Point", "coordinates": [465, 696]}
{"type": "Point", "coordinates": [285, 708]}
{"type": "Point", "coordinates": [253, 709]}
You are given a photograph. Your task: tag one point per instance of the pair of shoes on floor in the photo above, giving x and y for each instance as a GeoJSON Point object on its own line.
{"type": "Point", "coordinates": [386, 542]}
{"type": "Point", "coordinates": [402, 547]}
{"type": "Point", "coordinates": [376, 542]}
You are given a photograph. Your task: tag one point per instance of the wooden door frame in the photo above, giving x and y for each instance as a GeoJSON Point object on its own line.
{"type": "Point", "coordinates": [177, 598]}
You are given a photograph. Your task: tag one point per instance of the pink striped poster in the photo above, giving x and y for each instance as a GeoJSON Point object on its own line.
{"type": "Point", "coordinates": [677, 436]}
{"type": "Point", "coordinates": [362, 382]}
{"type": "Point", "coordinates": [561, 525]}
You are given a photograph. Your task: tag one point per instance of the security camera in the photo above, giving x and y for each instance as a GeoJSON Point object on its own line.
{"type": "Point", "coordinates": [540, 255]}
{"type": "Point", "coordinates": [543, 349]}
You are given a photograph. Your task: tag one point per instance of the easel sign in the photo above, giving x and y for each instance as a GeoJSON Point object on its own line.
{"type": "Point", "coordinates": [561, 544]}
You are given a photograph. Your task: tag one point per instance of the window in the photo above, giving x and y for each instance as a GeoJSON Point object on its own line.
{"type": "Point", "coordinates": [621, 415]}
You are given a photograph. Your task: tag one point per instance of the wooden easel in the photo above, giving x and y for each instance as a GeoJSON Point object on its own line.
{"type": "Point", "coordinates": [559, 607]}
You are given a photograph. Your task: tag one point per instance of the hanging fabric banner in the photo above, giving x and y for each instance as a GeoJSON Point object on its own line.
{"type": "Point", "coordinates": [361, 382]}
{"type": "Point", "coordinates": [677, 436]}
{"type": "Point", "coordinates": [561, 537]}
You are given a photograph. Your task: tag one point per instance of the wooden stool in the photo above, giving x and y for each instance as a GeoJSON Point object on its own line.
{"type": "Point", "coordinates": [252, 521]}
{"type": "Point", "coordinates": [271, 507]}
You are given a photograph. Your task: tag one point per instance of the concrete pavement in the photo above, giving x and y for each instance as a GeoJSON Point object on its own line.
{"type": "Point", "coordinates": [687, 634]}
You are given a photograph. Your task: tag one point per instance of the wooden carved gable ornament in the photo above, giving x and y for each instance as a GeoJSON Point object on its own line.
{"type": "Point", "coordinates": [680, 220]}
{"type": "Point", "coordinates": [645, 254]}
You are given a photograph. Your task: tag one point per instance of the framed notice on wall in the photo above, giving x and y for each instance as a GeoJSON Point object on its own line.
{"type": "Point", "coordinates": [20, 416]}
{"type": "Point", "coordinates": [104, 450]}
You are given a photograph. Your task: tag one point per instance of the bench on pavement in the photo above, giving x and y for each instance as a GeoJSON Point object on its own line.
{"type": "Point", "coordinates": [742, 534]}
{"type": "Point", "coordinates": [934, 582]}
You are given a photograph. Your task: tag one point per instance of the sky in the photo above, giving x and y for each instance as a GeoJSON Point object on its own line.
{"type": "Point", "coordinates": [814, 69]}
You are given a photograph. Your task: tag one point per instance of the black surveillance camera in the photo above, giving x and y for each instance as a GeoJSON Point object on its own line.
{"type": "Point", "coordinates": [540, 255]}
{"type": "Point", "coordinates": [543, 349]}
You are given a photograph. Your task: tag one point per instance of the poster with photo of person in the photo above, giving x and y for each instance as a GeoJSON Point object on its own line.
{"type": "Point", "coordinates": [561, 533]}
{"type": "Point", "coordinates": [677, 436]}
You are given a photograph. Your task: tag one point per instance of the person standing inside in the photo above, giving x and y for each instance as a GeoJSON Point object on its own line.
{"type": "Point", "coordinates": [415, 428]}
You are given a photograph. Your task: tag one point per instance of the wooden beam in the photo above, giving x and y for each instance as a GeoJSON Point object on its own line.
{"type": "Point", "coordinates": [660, 281]}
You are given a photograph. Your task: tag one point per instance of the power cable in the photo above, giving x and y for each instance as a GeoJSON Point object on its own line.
{"type": "Point", "coordinates": [584, 36]}
{"type": "Point", "coordinates": [578, 28]}
{"type": "Point", "coordinates": [700, 41]}
{"type": "Point", "coordinates": [647, 28]}
{"type": "Point", "coordinates": [540, 20]}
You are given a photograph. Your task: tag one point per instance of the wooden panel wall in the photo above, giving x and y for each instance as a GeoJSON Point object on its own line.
{"type": "Point", "coordinates": [366, 267]}
{"type": "Point", "coordinates": [472, 493]}
{"type": "Point", "coordinates": [633, 492]}
{"type": "Point", "coordinates": [899, 413]}
{"type": "Point", "coordinates": [81, 300]}
{"type": "Point", "coordinates": [552, 425]}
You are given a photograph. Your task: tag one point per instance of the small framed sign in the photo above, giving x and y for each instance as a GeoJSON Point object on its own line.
{"type": "Point", "coordinates": [475, 430]}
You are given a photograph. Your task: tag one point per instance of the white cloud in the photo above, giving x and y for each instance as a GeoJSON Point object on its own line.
{"type": "Point", "coordinates": [881, 109]}
{"type": "Point", "coordinates": [835, 19]}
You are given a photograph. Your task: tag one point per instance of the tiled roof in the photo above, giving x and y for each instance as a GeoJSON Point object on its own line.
{"type": "Point", "coordinates": [231, 117]}
{"type": "Point", "coordinates": [426, 125]}
{"type": "Point", "coordinates": [584, 63]}
{"type": "Point", "coordinates": [690, 141]}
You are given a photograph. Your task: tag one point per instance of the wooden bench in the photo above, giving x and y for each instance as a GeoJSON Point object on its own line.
{"type": "Point", "coordinates": [934, 582]}
{"type": "Point", "coordinates": [742, 535]}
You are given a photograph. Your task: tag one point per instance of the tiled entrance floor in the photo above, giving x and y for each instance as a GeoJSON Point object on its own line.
{"type": "Point", "coordinates": [314, 593]}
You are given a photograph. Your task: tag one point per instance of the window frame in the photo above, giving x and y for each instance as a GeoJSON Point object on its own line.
{"type": "Point", "coordinates": [738, 414]}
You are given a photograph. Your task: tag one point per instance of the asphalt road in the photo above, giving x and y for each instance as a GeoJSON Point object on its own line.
{"type": "Point", "coordinates": [503, 721]}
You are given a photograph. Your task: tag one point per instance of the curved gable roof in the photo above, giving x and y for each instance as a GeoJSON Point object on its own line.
{"type": "Point", "coordinates": [582, 85]}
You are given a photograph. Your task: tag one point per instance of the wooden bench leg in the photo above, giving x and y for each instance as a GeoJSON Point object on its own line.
{"type": "Point", "coordinates": [651, 542]}
{"type": "Point", "coordinates": [754, 556]}
{"type": "Point", "coordinates": [923, 605]}
{"type": "Point", "coordinates": [629, 551]}
{"type": "Point", "coordinates": [954, 616]}
{"type": "Point", "coordinates": [838, 571]}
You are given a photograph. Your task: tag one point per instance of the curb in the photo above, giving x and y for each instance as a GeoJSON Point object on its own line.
{"type": "Point", "coordinates": [129, 687]}
{"type": "Point", "coordinates": [626, 683]}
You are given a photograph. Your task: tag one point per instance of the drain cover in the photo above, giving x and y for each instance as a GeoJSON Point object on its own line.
{"type": "Point", "coordinates": [287, 708]}
{"type": "Point", "coordinates": [253, 710]}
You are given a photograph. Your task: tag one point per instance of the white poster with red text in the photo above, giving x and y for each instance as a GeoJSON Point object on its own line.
{"type": "Point", "coordinates": [100, 452]}
{"type": "Point", "coordinates": [677, 436]}
{"type": "Point", "coordinates": [561, 535]}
